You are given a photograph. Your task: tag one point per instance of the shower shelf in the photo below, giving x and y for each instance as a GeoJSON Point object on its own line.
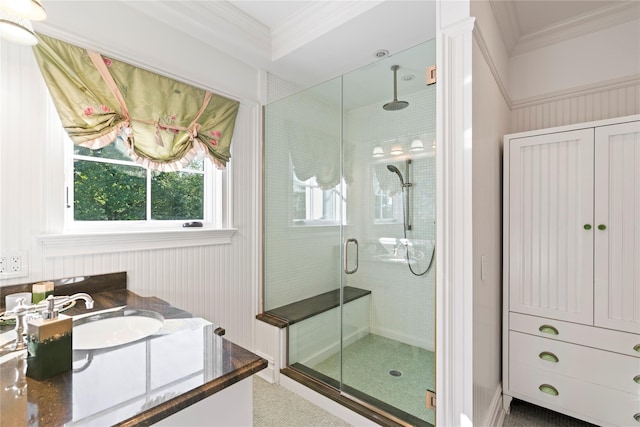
{"type": "Point", "coordinates": [309, 307]}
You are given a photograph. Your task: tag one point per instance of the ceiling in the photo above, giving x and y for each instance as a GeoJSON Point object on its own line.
{"type": "Point", "coordinates": [518, 20]}
{"type": "Point", "coordinates": [530, 16]}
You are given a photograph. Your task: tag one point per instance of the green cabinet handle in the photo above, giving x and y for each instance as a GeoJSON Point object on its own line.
{"type": "Point", "coordinates": [637, 379]}
{"type": "Point", "coordinates": [602, 227]}
{"type": "Point", "coordinates": [637, 417]}
{"type": "Point", "coordinates": [637, 348]}
{"type": "Point", "coordinates": [587, 226]}
{"type": "Point", "coordinates": [548, 389]}
{"type": "Point", "coordinates": [548, 329]}
{"type": "Point", "coordinates": [550, 357]}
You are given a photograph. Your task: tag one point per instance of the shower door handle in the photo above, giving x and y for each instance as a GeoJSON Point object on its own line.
{"type": "Point", "coordinates": [346, 256]}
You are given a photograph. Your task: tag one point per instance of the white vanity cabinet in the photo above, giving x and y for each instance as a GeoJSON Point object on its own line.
{"type": "Point", "coordinates": [571, 338]}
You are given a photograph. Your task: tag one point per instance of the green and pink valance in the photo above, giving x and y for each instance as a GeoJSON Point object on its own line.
{"type": "Point", "coordinates": [164, 122]}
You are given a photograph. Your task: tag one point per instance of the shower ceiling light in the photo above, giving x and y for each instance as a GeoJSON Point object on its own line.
{"type": "Point", "coordinates": [17, 30]}
{"type": "Point", "coordinates": [396, 150]}
{"type": "Point", "coordinates": [381, 53]}
{"type": "Point", "coordinates": [377, 152]}
{"type": "Point", "coordinates": [417, 145]}
{"type": "Point", "coordinates": [28, 9]}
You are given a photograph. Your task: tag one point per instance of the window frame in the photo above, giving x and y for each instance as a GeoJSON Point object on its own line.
{"type": "Point", "coordinates": [213, 204]}
{"type": "Point", "coordinates": [314, 202]}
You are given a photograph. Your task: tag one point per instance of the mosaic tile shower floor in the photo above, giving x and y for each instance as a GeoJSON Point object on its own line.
{"type": "Point", "coordinates": [368, 364]}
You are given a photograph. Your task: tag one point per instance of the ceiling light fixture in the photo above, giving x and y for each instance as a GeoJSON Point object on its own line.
{"type": "Point", "coordinates": [28, 9]}
{"type": "Point", "coordinates": [381, 53]}
{"type": "Point", "coordinates": [16, 29]}
{"type": "Point", "coordinates": [417, 145]}
{"type": "Point", "coordinates": [377, 152]}
{"type": "Point", "coordinates": [396, 150]}
{"type": "Point", "coordinates": [16, 17]}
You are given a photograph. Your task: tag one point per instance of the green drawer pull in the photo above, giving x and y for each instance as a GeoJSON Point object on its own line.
{"type": "Point", "coordinates": [637, 348]}
{"type": "Point", "coordinates": [548, 329]}
{"type": "Point", "coordinates": [550, 357]}
{"type": "Point", "coordinates": [602, 227]}
{"type": "Point", "coordinates": [549, 389]}
{"type": "Point", "coordinates": [587, 226]}
{"type": "Point", "coordinates": [637, 379]}
{"type": "Point", "coordinates": [637, 417]}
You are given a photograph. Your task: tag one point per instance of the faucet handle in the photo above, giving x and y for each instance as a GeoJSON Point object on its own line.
{"type": "Point", "coordinates": [20, 307]}
{"type": "Point", "coordinates": [50, 312]}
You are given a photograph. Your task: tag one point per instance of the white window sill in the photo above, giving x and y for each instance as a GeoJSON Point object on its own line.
{"type": "Point", "coordinates": [70, 244]}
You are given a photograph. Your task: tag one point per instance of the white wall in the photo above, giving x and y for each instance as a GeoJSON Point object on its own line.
{"type": "Point", "coordinates": [490, 123]}
{"type": "Point", "coordinates": [592, 77]}
{"type": "Point", "coordinates": [609, 54]}
{"type": "Point", "coordinates": [217, 282]}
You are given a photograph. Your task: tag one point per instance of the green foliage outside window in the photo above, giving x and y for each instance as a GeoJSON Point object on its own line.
{"type": "Point", "coordinates": [108, 192]}
{"type": "Point", "coordinates": [105, 191]}
{"type": "Point", "coordinates": [176, 195]}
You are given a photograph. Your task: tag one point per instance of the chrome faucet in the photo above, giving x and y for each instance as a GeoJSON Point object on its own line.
{"type": "Point", "coordinates": [54, 303]}
{"type": "Point", "coordinates": [48, 310]}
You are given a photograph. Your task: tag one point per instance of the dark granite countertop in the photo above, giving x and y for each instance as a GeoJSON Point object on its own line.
{"type": "Point", "coordinates": [136, 384]}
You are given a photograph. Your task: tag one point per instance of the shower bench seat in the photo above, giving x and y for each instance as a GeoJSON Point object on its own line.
{"type": "Point", "coordinates": [300, 310]}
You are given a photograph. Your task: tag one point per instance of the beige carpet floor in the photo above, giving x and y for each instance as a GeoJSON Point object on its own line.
{"type": "Point", "coordinates": [275, 406]}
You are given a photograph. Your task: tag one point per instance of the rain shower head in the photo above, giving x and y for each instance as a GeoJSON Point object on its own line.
{"type": "Point", "coordinates": [395, 105]}
{"type": "Point", "coordinates": [397, 171]}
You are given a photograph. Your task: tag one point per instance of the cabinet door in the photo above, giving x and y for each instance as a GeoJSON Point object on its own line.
{"type": "Point", "coordinates": [617, 231]}
{"type": "Point", "coordinates": [550, 268]}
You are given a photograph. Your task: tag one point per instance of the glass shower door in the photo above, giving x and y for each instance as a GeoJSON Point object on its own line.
{"type": "Point", "coordinates": [349, 231]}
{"type": "Point", "coordinates": [388, 337]}
{"type": "Point", "coordinates": [303, 212]}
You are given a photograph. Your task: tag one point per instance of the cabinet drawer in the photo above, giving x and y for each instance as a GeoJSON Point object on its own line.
{"type": "Point", "coordinates": [583, 363]}
{"type": "Point", "coordinates": [590, 336]}
{"type": "Point", "coordinates": [594, 403]}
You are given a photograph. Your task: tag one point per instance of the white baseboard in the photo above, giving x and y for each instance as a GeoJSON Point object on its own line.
{"type": "Point", "coordinates": [271, 372]}
{"type": "Point", "coordinates": [496, 414]}
{"type": "Point", "coordinates": [419, 342]}
{"type": "Point", "coordinates": [325, 353]}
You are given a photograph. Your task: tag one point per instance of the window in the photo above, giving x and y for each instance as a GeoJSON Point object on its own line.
{"type": "Point", "coordinates": [107, 190]}
{"type": "Point", "coordinates": [383, 203]}
{"type": "Point", "coordinates": [313, 205]}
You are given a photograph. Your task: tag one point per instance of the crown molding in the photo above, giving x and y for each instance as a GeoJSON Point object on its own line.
{"type": "Point", "coordinates": [211, 22]}
{"type": "Point", "coordinates": [505, 15]}
{"type": "Point", "coordinates": [590, 89]}
{"type": "Point", "coordinates": [484, 49]}
{"type": "Point", "coordinates": [312, 22]}
{"type": "Point", "coordinates": [581, 25]}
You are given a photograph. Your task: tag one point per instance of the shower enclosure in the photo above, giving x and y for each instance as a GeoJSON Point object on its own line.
{"type": "Point", "coordinates": [349, 230]}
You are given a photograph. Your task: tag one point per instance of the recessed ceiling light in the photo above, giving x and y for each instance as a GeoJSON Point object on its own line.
{"type": "Point", "coordinates": [381, 53]}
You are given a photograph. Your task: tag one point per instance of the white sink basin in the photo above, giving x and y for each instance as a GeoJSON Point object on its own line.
{"type": "Point", "coordinates": [115, 328]}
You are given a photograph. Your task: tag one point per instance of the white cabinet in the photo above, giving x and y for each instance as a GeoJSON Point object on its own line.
{"type": "Point", "coordinates": [617, 248]}
{"type": "Point", "coordinates": [572, 270]}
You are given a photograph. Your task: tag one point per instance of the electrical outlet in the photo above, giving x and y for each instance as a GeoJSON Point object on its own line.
{"type": "Point", "coordinates": [15, 263]}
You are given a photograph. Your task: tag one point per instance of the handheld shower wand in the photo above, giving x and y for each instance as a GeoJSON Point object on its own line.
{"type": "Point", "coordinates": [395, 169]}
{"type": "Point", "coordinates": [405, 208]}
{"type": "Point", "coordinates": [403, 184]}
